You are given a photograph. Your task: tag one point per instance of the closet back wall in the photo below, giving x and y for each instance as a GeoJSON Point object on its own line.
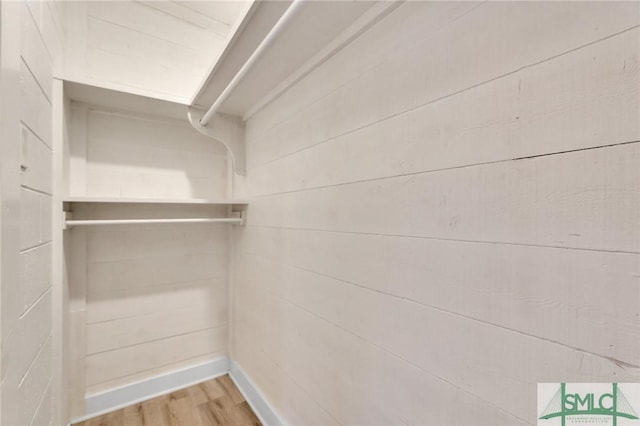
{"type": "Point", "coordinates": [146, 299]}
{"type": "Point", "coordinates": [445, 213]}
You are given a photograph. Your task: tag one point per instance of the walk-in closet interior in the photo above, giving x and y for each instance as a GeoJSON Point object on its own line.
{"type": "Point", "coordinates": [318, 212]}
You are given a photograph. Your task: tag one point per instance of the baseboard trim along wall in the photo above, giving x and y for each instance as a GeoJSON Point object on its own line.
{"type": "Point", "coordinates": [116, 398]}
{"type": "Point", "coordinates": [261, 407]}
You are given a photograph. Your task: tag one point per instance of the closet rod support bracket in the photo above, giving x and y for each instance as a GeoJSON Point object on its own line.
{"type": "Point", "coordinates": [226, 129]}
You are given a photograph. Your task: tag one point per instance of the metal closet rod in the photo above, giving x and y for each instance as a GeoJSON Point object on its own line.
{"type": "Point", "coordinates": [264, 44]}
{"type": "Point", "coordinates": [142, 221]}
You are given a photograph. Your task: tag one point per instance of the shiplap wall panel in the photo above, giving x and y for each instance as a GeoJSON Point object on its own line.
{"type": "Point", "coordinates": [29, 55]}
{"type": "Point", "coordinates": [490, 122]}
{"type": "Point", "coordinates": [532, 295]}
{"type": "Point", "coordinates": [35, 324]}
{"type": "Point", "coordinates": [436, 206]}
{"type": "Point", "coordinates": [349, 377]}
{"type": "Point", "coordinates": [153, 355]}
{"type": "Point", "coordinates": [144, 272]}
{"type": "Point", "coordinates": [151, 297]}
{"type": "Point", "coordinates": [31, 389]}
{"type": "Point", "coordinates": [144, 375]}
{"type": "Point", "coordinates": [35, 109]}
{"type": "Point", "coordinates": [463, 54]}
{"type": "Point", "coordinates": [104, 336]}
{"type": "Point", "coordinates": [118, 40]}
{"type": "Point", "coordinates": [582, 199]}
{"type": "Point", "coordinates": [130, 156]}
{"type": "Point", "coordinates": [35, 274]}
{"type": "Point", "coordinates": [150, 286]}
{"type": "Point", "coordinates": [35, 53]}
{"type": "Point", "coordinates": [497, 352]}
{"type": "Point", "coordinates": [176, 296]}
{"type": "Point", "coordinates": [140, 242]}
{"type": "Point", "coordinates": [156, 49]}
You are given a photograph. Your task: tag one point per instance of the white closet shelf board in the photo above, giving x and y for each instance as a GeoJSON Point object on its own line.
{"type": "Point", "coordinates": [154, 201]}
{"type": "Point", "coordinates": [314, 33]}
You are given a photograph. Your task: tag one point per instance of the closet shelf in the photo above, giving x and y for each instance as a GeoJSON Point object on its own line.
{"type": "Point", "coordinates": [233, 220]}
{"type": "Point", "coordinates": [237, 211]}
{"type": "Point", "coordinates": [219, 202]}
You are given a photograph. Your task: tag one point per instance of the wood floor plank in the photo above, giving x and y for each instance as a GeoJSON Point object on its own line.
{"type": "Point", "coordinates": [247, 415]}
{"type": "Point", "coordinates": [222, 409]}
{"type": "Point", "coordinates": [216, 402]}
{"type": "Point", "coordinates": [156, 411]}
{"type": "Point", "coordinates": [133, 415]}
{"type": "Point", "coordinates": [198, 394]}
{"type": "Point", "coordinates": [183, 411]}
{"type": "Point", "coordinates": [213, 389]}
{"type": "Point", "coordinates": [231, 389]}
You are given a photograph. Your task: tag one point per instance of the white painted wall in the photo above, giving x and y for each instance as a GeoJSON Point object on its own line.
{"type": "Point", "coordinates": [144, 300]}
{"type": "Point", "coordinates": [161, 49]}
{"type": "Point", "coordinates": [444, 214]}
{"type": "Point", "coordinates": [31, 40]}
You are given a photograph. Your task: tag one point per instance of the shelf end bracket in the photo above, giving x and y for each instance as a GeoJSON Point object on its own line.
{"type": "Point", "coordinates": [226, 129]}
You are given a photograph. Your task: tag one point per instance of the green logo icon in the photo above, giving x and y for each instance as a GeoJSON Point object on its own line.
{"type": "Point", "coordinates": [613, 404]}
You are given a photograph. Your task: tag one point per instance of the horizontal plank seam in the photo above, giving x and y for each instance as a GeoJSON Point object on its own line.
{"type": "Point", "coordinates": [36, 247]}
{"type": "Point", "coordinates": [186, 6]}
{"type": "Point", "coordinates": [159, 339]}
{"type": "Point", "coordinates": [433, 101]}
{"type": "Point", "coordinates": [36, 191]}
{"type": "Point", "coordinates": [210, 18]}
{"type": "Point", "coordinates": [88, 310]}
{"type": "Point", "coordinates": [42, 401]}
{"type": "Point", "coordinates": [164, 286]}
{"type": "Point", "coordinates": [446, 311]}
{"type": "Point", "coordinates": [186, 73]}
{"type": "Point", "coordinates": [364, 70]}
{"type": "Point", "coordinates": [135, 30]}
{"type": "Point", "coordinates": [36, 135]}
{"type": "Point", "coordinates": [209, 253]}
{"type": "Point", "coordinates": [430, 373]}
{"type": "Point", "coordinates": [36, 80]}
{"type": "Point", "coordinates": [421, 237]}
{"type": "Point", "coordinates": [40, 35]}
{"type": "Point", "coordinates": [38, 352]}
{"type": "Point", "coordinates": [33, 304]}
{"type": "Point", "coordinates": [90, 392]}
{"type": "Point", "coordinates": [150, 314]}
{"type": "Point", "coordinates": [445, 169]}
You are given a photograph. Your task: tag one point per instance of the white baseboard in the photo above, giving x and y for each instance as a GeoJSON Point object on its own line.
{"type": "Point", "coordinates": [120, 397]}
{"type": "Point", "coordinates": [261, 407]}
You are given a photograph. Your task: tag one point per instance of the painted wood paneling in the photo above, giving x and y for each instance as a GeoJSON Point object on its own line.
{"type": "Point", "coordinates": [487, 123]}
{"type": "Point", "coordinates": [459, 53]}
{"type": "Point", "coordinates": [153, 355]}
{"type": "Point", "coordinates": [527, 289]}
{"type": "Point", "coordinates": [35, 276]}
{"type": "Point", "coordinates": [27, 66]}
{"type": "Point", "coordinates": [150, 298]}
{"type": "Point", "coordinates": [435, 207]}
{"type": "Point", "coordinates": [123, 155]}
{"type": "Point", "coordinates": [156, 49]}
{"type": "Point", "coordinates": [36, 163]}
{"type": "Point", "coordinates": [582, 199]}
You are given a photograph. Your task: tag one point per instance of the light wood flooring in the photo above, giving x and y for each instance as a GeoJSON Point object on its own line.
{"type": "Point", "coordinates": [216, 402]}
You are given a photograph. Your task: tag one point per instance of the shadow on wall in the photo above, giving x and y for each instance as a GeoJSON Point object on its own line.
{"type": "Point", "coordinates": [127, 155]}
